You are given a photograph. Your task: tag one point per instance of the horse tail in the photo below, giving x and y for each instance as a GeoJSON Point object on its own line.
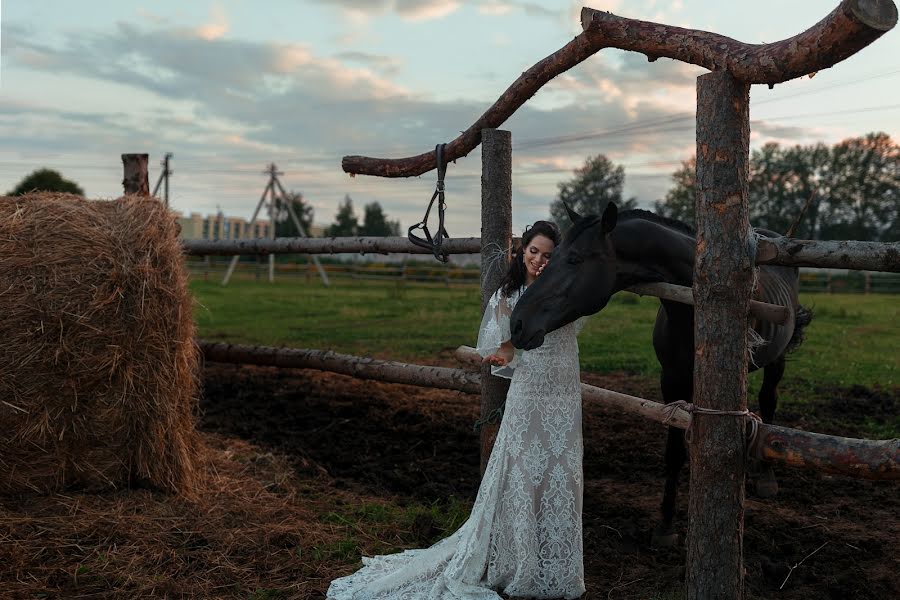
{"type": "Point", "coordinates": [802, 318]}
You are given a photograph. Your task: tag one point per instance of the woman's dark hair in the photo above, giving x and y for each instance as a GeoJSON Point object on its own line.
{"type": "Point", "coordinates": [516, 276]}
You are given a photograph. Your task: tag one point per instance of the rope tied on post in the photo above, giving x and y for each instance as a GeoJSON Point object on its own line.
{"type": "Point", "coordinates": [434, 244]}
{"type": "Point", "coordinates": [692, 409]}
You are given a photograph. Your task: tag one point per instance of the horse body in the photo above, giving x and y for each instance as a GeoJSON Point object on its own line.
{"type": "Point", "coordinates": [603, 255]}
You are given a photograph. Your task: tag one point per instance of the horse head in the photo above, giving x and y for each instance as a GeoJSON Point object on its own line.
{"type": "Point", "coordinates": [578, 281]}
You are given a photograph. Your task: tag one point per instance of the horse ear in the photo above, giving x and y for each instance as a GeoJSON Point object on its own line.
{"type": "Point", "coordinates": [574, 216]}
{"type": "Point", "coordinates": [610, 215]}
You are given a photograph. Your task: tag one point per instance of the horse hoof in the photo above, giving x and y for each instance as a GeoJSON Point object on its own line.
{"type": "Point", "coordinates": [664, 540]}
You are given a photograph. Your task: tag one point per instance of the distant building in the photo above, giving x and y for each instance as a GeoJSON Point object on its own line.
{"type": "Point", "coordinates": [221, 227]}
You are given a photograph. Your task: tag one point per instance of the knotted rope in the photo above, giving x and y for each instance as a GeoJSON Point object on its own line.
{"type": "Point", "coordinates": [692, 409]}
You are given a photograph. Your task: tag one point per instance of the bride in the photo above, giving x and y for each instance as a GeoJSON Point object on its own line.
{"type": "Point", "coordinates": [523, 537]}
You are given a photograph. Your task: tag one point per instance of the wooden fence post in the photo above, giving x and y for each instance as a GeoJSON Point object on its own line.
{"type": "Point", "coordinates": [723, 276]}
{"type": "Point", "coordinates": [496, 237]}
{"type": "Point", "coordinates": [136, 180]}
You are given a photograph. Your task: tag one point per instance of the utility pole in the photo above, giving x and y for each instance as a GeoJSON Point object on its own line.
{"type": "Point", "coordinates": [164, 177]}
{"type": "Point", "coordinates": [273, 173]}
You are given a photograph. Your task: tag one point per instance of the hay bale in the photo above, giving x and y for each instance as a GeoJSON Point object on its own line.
{"type": "Point", "coordinates": [98, 364]}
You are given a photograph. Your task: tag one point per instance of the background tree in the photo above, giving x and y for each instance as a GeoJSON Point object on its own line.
{"type": "Point", "coordinates": [46, 180]}
{"type": "Point", "coordinates": [853, 189]}
{"type": "Point", "coordinates": [375, 222]}
{"type": "Point", "coordinates": [597, 183]}
{"type": "Point", "coordinates": [284, 224]}
{"type": "Point", "coordinates": [679, 200]}
{"type": "Point", "coordinates": [864, 189]}
{"type": "Point", "coordinates": [346, 224]}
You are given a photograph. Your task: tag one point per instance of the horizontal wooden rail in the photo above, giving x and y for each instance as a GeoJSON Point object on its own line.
{"type": "Point", "coordinates": [346, 364]}
{"type": "Point", "coordinates": [858, 256]}
{"type": "Point", "coordinates": [790, 252]}
{"type": "Point", "coordinates": [679, 293]}
{"type": "Point", "coordinates": [865, 459]}
{"type": "Point", "coordinates": [335, 245]}
{"type": "Point", "coordinates": [861, 458]}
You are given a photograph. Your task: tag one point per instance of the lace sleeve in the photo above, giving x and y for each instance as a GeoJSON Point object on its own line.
{"type": "Point", "coordinates": [494, 330]}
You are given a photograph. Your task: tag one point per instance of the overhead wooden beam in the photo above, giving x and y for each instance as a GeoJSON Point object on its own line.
{"type": "Point", "coordinates": [853, 25]}
{"type": "Point", "coordinates": [849, 28]}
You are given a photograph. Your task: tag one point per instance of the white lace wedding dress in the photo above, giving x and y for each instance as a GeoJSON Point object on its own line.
{"type": "Point", "coordinates": [523, 536]}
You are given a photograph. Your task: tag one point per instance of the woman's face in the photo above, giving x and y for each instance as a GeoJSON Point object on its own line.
{"type": "Point", "coordinates": [537, 254]}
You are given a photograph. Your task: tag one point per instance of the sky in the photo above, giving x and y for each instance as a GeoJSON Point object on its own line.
{"type": "Point", "coordinates": [229, 86]}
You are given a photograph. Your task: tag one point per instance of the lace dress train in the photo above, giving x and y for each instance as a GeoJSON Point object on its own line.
{"type": "Point", "coordinates": [524, 535]}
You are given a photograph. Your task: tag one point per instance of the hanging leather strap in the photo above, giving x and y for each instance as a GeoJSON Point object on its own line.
{"type": "Point", "coordinates": [434, 243]}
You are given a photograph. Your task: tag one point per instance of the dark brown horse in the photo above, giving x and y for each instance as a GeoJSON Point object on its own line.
{"type": "Point", "coordinates": [602, 255]}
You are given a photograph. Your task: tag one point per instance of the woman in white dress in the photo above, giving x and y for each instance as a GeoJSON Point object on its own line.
{"type": "Point", "coordinates": [524, 534]}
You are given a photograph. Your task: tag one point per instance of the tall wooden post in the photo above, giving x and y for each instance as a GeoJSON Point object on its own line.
{"type": "Point", "coordinates": [136, 179]}
{"type": "Point", "coordinates": [723, 278]}
{"type": "Point", "coordinates": [496, 237]}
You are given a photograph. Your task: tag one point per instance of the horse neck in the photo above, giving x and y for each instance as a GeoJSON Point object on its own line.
{"type": "Point", "coordinates": [649, 252]}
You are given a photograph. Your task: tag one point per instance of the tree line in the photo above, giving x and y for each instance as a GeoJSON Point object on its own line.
{"type": "Point", "coordinates": [850, 191]}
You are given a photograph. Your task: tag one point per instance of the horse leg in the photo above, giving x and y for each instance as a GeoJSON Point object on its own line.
{"type": "Point", "coordinates": [674, 387]}
{"type": "Point", "coordinates": [766, 484]}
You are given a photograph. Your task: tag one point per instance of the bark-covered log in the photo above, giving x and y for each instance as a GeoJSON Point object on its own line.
{"type": "Point", "coordinates": [680, 293]}
{"type": "Point", "coordinates": [346, 364]}
{"type": "Point", "coordinates": [864, 459]}
{"type": "Point", "coordinates": [338, 245]}
{"type": "Point", "coordinates": [496, 238]}
{"type": "Point", "coordinates": [136, 180]}
{"type": "Point", "coordinates": [723, 281]}
{"type": "Point", "coordinates": [862, 256]}
{"type": "Point", "coordinates": [850, 27]}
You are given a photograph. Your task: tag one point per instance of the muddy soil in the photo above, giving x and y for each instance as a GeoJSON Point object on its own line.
{"type": "Point", "coordinates": [821, 537]}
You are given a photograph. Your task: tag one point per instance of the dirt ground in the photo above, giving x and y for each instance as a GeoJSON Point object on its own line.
{"type": "Point", "coordinates": [822, 537]}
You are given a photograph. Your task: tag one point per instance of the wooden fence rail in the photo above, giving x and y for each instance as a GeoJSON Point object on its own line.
{"type": "Point", "coordinates": [864, 459]}
{"type": "Point", "coordinates": [866, 256]}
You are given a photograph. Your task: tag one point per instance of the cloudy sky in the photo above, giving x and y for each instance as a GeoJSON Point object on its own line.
{"type": "Point", "coordinates": [229, 86]}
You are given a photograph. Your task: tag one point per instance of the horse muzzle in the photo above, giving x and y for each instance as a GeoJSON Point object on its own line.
{"type": "Point", "coordinates": [523, 339]}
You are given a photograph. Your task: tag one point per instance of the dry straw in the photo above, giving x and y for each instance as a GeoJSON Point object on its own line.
{"type": "Point", "coordinates": [98, 365]}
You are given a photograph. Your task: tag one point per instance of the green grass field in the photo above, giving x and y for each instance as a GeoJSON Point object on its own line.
{"type": "Point", "coordinates": [853, 339]}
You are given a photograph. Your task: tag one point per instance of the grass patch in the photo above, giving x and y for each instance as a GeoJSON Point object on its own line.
{"type": "Point", "coordinates": [852, 339]}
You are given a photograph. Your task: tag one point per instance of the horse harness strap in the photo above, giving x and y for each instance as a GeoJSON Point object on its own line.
{"type": "Point", "coordinates": [434, 243]}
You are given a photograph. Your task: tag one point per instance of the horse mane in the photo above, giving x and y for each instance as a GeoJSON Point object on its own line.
{"type": "Point", "coordinates": [626, 215]}
{"type": "Point", "coordinates": [581, 225]}
{"type": "Point", "coordinates": [638, 213]}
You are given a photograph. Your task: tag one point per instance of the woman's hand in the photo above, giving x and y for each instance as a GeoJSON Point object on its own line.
{"type": "Point", "coordinates": [502, 357]}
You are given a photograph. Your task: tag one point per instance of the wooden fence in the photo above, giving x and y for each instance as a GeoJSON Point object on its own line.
{"type": "Point", "coordinates": [724, 253]}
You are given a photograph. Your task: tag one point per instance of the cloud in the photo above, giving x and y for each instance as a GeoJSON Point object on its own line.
{"type": "Point", "coordinates": [215, 29]}
{"type": "Point", "coordinates": [386, 65]}
{"type": "Point", "coordinates": [228, 106]}
{"type": "Point", "coordinates": [411, 10]}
